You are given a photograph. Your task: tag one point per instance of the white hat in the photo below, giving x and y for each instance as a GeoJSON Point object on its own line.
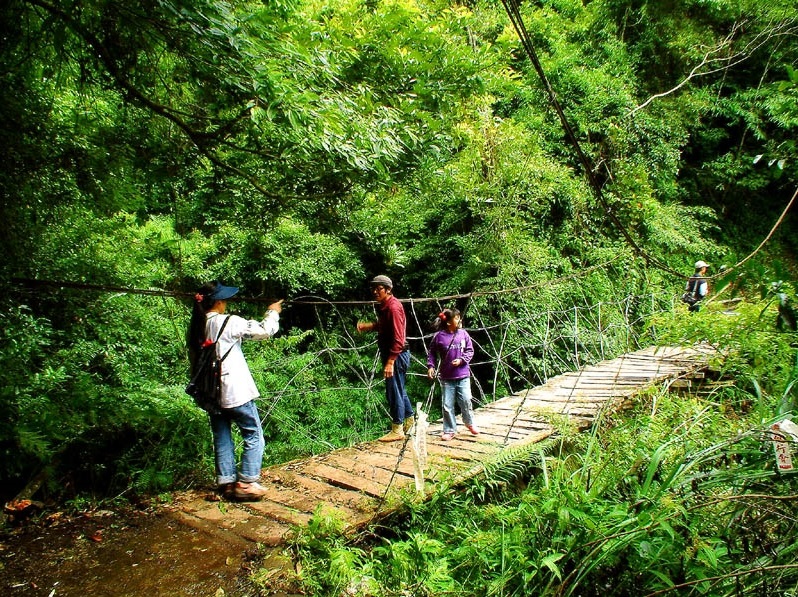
{"type": "Point", "coordinates": [700, 264]}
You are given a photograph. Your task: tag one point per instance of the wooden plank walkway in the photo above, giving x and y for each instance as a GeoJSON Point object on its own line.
{"type": "Point", "coordinates": [354, 482]}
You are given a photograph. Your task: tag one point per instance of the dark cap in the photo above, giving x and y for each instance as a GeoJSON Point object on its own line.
{"type": "Point", "coordinates": [382, 281]}
{"type": "Point", "coordinates": [222, 292]}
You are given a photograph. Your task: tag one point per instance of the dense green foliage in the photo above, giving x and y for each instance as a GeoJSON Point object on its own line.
{"type": "Point", "coordinates": [298, 148]}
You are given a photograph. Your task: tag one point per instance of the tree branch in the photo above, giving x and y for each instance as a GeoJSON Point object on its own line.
{"type": "Point", "coordinates": [712, 63]}
{"type": "Point", "coordinates": [202, 140]}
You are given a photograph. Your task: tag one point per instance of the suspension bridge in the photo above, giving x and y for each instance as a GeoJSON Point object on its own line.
{"type": "Point", "coordinates": [365, 482]}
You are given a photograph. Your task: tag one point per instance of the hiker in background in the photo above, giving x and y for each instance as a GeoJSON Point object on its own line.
{"type": "Point", "coordinates": [696, 288]}
{"type": "Point", "coordinates": [238, 388]}
{"type": "Point", "coordinates": [394, 354]}
{"type": "Point", "coordinates": [450, 353]}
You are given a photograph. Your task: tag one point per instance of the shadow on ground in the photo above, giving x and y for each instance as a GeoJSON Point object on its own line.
{"type": "Point", "coordinates": [127, 553]}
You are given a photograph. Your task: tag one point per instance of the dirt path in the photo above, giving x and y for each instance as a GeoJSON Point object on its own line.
{"type": "Point", "coordinates": [128, 553]}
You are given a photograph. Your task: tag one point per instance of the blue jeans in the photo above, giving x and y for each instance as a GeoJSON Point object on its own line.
{"type": "Point", "coordinates": [460, 389]}
{"type": "Point", "coordinates": [247, 420]}
{"type": "Point", "coordinates": [398, 402]}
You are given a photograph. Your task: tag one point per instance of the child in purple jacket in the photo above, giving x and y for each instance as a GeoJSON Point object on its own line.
{"type": "Point", "coordinates": [450, 352]}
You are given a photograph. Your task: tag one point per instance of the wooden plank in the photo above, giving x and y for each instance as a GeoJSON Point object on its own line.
{"type": "Point", "coordinates": [603, 381]}
{"type": "Point", "coordinates": [279, 512]}
{"type": "Point", "coordinates": [577, 410]}
{"type": "Point", "coordinates": [494, 432]}
{"type": "Point", "coordinates": [583, 400]}
{"type": "Point", "coordinates": [390, 449]}
{"type": "Point", "coordinates": [519, 421]}
{"type": "Point", "coordinates": [595, 395]}
{"type": "Point", "coordinates": [630, 362]}
{"type": "Point", "coordinates": [339, 497]}
{"type": "Point", "coordinates": [609, 383]}
{"type": "Point", "coordinates": [299, 499]}
{"type": "Point", "coordinates": [632, 375]}
{"type": "Point", "coordinates": [389, 462]}
{"type": "Point", "coordinates": [492, 414]}
{"type": "Point", "coordinates": [552, 406]}
{"type": "Point", "coordinates": [456, 450]}
{"type": "Point", "coordinates": [479, 445]}
{"type": "Point", "coordinates": [559, 395]}
{"type": "Point", "coordinates": [522, 424]}
{"type": "Point", "coordinates": [226, 515]}
{"type": "Point", "coordinates": [606, 386]}
{"type": "Point", "coordinates": [252, 528]}
{"type": "Point", "coordinates": [363, 468]}
{"type": "Point", "coordinates": [532, 438]}
{"type": "Point", "coordinates": [344, 479]}
{"type": "Point", "coordinates": [264, 531]}
{"type": "Point", "coordinates": [544, 406]}
{"type": "Point", "coordinates": [433, 441]}
{"type": "Point", "coordinates": [532, 417]}
{"type": "Point", "coordinates": [385, 458]}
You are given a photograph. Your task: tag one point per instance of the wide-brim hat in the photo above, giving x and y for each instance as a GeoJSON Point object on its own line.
{"type": "Point", "coordinates": [222, 292]}
{"type": "Point", "coordinates": [382, 281]}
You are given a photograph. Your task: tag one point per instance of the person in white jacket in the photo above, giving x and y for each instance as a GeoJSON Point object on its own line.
{"type": "Point", "coordinates": [238, 388]}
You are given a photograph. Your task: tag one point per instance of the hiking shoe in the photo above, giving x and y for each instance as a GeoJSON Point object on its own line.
{"type": "Point", "coordinates": [472, 429]}
{"type": "Point", "coordinates": [249, 492]}
{"type": "Point", "coordinates": [394, 435]}
{"type": "Point", "coordinates": [407, 425]}
{"type": "Point", "coordinates": [447, 436]}
{"type": "Point", "coordinates": [227, 491]}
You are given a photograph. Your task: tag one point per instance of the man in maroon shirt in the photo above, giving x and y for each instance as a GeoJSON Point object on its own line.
{"type": "Point", "coordinates": [392, 343]}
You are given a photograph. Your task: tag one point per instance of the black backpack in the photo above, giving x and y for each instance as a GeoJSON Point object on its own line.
{"type": "Point", "coordinates": [205, 386]}
{"type": "Point", "coordinates": [691, 296]}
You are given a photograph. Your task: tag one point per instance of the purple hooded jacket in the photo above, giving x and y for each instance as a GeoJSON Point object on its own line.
{"type": "Point", "coordinates": [445, 348]}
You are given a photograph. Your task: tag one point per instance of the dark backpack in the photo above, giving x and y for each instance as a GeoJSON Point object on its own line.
{"type": "Point", "coordinates": [691, 296]}
{"type": "Point", "coordinates": [205, 386]}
